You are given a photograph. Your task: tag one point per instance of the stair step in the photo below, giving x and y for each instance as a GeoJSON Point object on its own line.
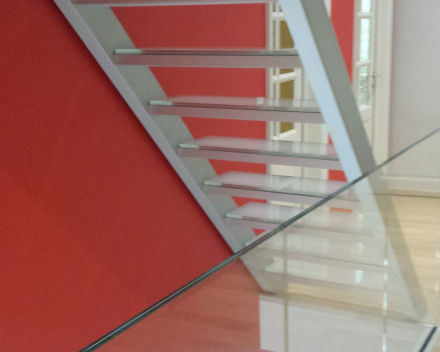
{"type": "Point", "coordinates": [262, 151]}
{"type": "Point", "coordinates": [235, 108]}
{"type": "Point", "coordinates": [325, 248]}
{"type": "Point", "coordinates": [279, 188]}
{"type": "Point", "coordinates": [307, 258]}
{"type": "Point", "coordinates": [315, 274]}
{"type": "Point", "coordinates": [320, 219]}
{"type": "Point", "coordinates": [319, 223]}
{"type": "Point", "coordinates": [120, 3]}
{"type": "Point", "coordinates": [283, 58]}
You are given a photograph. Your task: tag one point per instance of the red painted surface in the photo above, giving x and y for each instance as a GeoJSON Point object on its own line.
{"type": "Point", "coordinates": [343, 23]}
{"type": "Point", "coordinates": [95, 225]}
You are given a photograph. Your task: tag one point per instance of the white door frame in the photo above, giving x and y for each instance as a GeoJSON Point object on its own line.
{"type": "Point", "coordinates": [359, 62]}
{"type": "Point", "coordinates": [382, 52]}
{"type": "Point", "coordinates": [384, 39]}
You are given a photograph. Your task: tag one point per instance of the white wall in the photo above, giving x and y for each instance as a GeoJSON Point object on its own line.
{"type": "Point", "coordinates": [415, 97]}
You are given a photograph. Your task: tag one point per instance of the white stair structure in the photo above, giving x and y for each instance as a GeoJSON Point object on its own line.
{"type": "Point", "coordinates": [265, 216]}
{"type": "Point", "coordinates": [279, 188]}
{"type": "Point", "coordinates": [234, 108]}
{"type": "Point", "coordinates": [122, 3]}
{"type": "Point", "coordinates": [262, 151]}
{"type": "Point", "coordinates": [328, 248]}
{"type": "Point", "coordinates": [204, 58]}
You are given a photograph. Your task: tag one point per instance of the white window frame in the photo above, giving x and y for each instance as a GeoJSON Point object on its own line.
{"type": "Point", "coordinates": [273, 76]}
{"type": "Point", "coordinates": [383, 32]}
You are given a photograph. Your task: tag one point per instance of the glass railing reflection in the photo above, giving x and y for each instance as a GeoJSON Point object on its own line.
{"type": "Point", "coordinates": [363, 279]}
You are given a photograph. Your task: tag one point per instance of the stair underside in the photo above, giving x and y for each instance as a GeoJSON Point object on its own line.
{"type": "Point", "coordinates": [284, 58]}
{"type": "Point", "coordinates": [255, 109]}
{"type": "Point", "coordinates": [262, 151]}
{"type": "Point", "coordinates": [279, 188]}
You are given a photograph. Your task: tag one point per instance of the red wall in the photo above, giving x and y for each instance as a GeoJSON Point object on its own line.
{"type": "Point", "coordinates": [91, 230]}
{"type": "Point", "coordinates": [95, 225]}
{"type": "Point", "coordinates": [343, 24]}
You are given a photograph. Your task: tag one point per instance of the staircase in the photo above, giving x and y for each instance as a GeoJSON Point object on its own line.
{"type": "Point", "coordinates": [328, 249]}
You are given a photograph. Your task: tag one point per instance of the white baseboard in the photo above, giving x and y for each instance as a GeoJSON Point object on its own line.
{"type": "Point", "coordinates": [414, 185]}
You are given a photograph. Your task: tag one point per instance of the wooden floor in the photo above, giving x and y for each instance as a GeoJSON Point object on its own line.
{"type": "Point", "coordinates": [222, 314]}
{"type": "Point", "coordinates": [420, 221]}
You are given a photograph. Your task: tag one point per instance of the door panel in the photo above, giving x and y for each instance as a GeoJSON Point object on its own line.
{"type": "Point", "coordinates": [364, 75]}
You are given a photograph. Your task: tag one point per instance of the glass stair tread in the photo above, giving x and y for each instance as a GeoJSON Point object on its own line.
{"type": "Point", "coordinates": [336, 221]}
{"type": "Point", "coordinates": [285, 105]}
{"type": "Point", "coordinates": [213, 52]}
{"type": "Point", "coordinates": [326, 248]}
{"type": "Point", "coordinates": [228, 58]}
{"type": "Point", "coordinates": [279, 184]}
{"type": "Point", "coordinates": [326, 274]}
{"type": "Point", "coordinates": [264, 146]}
{"type": "Point", "coordinates": [239, 108]}
{"type": "Point", "coordinates": [165, 2]}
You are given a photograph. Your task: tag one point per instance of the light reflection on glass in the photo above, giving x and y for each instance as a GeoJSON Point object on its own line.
{"type": "Point", "coordinates": [366, 5]}
{"type": "Point", "coordinates": [364, 51]}
{"type": "Point", "coordinates": [359, 276]}
{"type": "Point", "coordinates": [364, 86]}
